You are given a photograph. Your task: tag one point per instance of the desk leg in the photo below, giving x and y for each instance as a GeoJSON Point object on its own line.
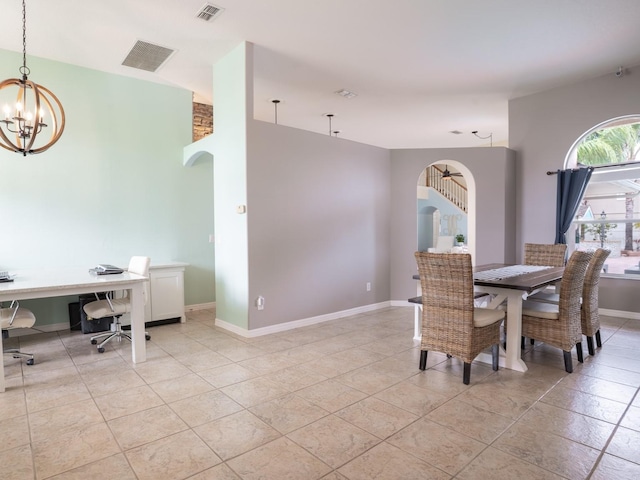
{"type": "Point", "coordinates": [138, 347]}
{"type": "Point", "coordinates": [1, 367]}
{"type": "Point", "coordinates": [513, 358]}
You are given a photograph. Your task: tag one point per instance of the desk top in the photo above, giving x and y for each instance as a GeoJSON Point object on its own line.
{"type": "Point", "coordinates": [58, 281]}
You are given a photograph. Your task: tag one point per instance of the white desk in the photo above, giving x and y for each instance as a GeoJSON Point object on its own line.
{"type": "Point", "coordinates": [44, 283]}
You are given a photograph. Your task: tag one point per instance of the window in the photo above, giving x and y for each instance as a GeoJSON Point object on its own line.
{"type": "Point", "coordinates": [609, 216]}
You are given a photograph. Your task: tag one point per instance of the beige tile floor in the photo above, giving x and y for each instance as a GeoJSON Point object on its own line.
{"type": "Point", "coordinates": [339, 400]}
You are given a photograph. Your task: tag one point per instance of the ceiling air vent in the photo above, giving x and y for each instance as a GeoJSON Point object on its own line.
{"type": "Point", "coordinates": [147, 56]}
{"type": "Point", "coordinates": [208, 12]}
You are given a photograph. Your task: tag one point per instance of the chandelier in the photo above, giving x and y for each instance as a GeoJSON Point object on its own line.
{"type": "Point", "coordinates": [32, 118]}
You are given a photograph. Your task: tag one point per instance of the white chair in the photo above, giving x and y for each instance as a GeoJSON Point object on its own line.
{"type": "Point", "coordinates": [116, 307]}
{"type": "Point", "coordinates": [444, 244]}
{"type": "Point", "coordinates": [16, 317]}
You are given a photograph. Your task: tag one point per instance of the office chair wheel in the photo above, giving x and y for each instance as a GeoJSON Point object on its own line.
{"type": "Point", "coordinates": [30, 361]}
{"type": "Point", "coordinates": [94, 342]}
{"type": "Point", "coordinates": [148, 337]}
{"type": "Point", "coordinates": [100, 349]}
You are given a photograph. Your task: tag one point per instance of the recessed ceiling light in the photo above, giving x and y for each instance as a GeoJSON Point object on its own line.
{"type": "Point", "coordinates": [346, 93]}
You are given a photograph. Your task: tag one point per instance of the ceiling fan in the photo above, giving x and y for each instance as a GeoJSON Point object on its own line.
{"type": "Point", "coordinates": [447, 175]}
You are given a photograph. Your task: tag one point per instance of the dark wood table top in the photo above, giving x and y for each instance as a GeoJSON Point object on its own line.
{"type": "Point", "coordinates": [527, 282]}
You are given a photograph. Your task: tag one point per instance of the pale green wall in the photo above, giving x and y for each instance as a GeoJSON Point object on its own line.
{"type": "Point", "coordinates": [112, 187]}
{"type": "Point", "coordinates": [232, 97]}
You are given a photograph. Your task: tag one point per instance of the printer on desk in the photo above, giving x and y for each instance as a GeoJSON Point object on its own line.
{"type": "Point", "coordinates": [106, 269]}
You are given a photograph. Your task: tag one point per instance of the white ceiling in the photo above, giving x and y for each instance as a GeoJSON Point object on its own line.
{"type": "Point", "coordinates": [421, 68]}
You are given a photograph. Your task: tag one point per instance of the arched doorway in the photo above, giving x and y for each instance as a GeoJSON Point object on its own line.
{"type": "Point", "coordinates": [446, 204]}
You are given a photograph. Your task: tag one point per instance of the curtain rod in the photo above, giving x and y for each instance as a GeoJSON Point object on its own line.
{"type": "Point", "coordinates": [600, 166]}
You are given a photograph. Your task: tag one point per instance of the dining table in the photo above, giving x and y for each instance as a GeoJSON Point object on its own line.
{"type": "Point", "coordinates": [511, 284]}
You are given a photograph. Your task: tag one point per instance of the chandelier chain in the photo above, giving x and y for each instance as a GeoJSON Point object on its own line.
{"type": "Point", "coordinates": [24, 69]}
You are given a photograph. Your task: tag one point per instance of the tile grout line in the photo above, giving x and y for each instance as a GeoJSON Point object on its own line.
{"type": "Point", "coordinates": [613, 433]}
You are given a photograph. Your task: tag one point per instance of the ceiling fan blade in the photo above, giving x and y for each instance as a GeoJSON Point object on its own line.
{"type": "Point", "coordinates": [448, 174]}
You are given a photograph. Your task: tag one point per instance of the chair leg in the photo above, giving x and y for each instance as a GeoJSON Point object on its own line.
{"type": "Point", "coordinates": [423, 359]}
{"type": "Point", "coordinates": [16, 353]}
{"type": "Point", "coordinates": [579, 352]}
{"type": "Point", "coordinates": [522, 343]}
{"type": "Point", "coordinates": [568, 362]}
{"type": "Point", "coordinates": [590, 345]}
{"type": "Point", "coordinates": [532, 341]}
{"type": "Point", "coordinates": [95, 338]}
{"type": "Point", "coordinates": [466, 373]}
{"type": "Point", "coordinates": [495, 356]}
{"type": "Point", "coordinates": [598, 339]}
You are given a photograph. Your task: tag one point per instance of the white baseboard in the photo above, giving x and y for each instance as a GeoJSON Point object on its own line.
{"type": "Point", "coordinates": [53, 327]}
{"type": "Point", "coordinates": [200, 306]}
{"type": "Point", "coordinates": [281, 327]}
{"type": "Point", "coordinates": [402, 303]}
{"type": "Point", "coordinates": [56, 327]}
{"type": "Point", "coordinates": [619, 313]}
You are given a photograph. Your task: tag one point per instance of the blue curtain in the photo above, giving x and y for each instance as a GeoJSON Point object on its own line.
{"type": "Point", "coordinates": [571, 187]}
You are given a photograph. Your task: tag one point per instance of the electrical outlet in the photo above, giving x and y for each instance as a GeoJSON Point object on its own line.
{"type": "Point", "coordinates": [368, 286]}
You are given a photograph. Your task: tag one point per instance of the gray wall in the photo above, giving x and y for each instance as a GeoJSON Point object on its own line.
{"type": "Point", "coordinates": [318, 223]}
{"type": "Point", "coordinates": [542, 129]}
{"type": "Point", "coordinates": [493, 171]}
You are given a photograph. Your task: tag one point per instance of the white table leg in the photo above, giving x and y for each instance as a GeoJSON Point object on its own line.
{"type": "Point", "coordinates": [417, 331]}
{"type": "Point", "coordinates": [138, 347]}
{"type": "Point", "coordinates": [511, 358]}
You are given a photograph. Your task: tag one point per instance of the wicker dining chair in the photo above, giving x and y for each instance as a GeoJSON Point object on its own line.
{"type": "Point", "coordinates": [559, 324]}
{"type": "Point", "coordinates": [590, 314]}
{"type": "Point", "coordinates": [590, 317]}
{"type": "Point", "coordinates": [450, 322]}
{"type": "Point", "coordinates": [545, 254]}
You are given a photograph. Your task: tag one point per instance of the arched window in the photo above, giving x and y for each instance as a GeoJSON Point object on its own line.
{"type": "Point", "coordinates": [609, 216]}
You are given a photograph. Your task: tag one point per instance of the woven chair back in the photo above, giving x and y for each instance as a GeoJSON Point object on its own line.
{"type": "Point", "coordinates": [571, 291]}
{"type": "Point", "coordinates": [545, 254]}
{"type": "Point", "coordinates": [590, 315]}
{"type": "Point", "coordinates": [447, 299]}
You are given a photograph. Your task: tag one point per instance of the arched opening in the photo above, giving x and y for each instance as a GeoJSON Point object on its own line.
{"type": "Point", "coordinates": [609, 216]}
{"type": "Point", "coordinates": [446, 207]}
